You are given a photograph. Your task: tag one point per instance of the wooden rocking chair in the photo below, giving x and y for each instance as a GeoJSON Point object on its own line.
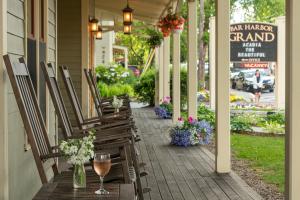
{"type": "Point", "coordinates": [103, 106]}
{"type": "Point", "coordinates": [95, 122]}
{"type": "Point", "coordinates": [35, 128]}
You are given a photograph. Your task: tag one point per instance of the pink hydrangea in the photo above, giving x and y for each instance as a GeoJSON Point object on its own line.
{"type": "Point", "coordinates": [166, 100]}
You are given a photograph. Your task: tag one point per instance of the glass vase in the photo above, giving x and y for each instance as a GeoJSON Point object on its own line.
{"type": "Point", "coordinates": [79, 176]}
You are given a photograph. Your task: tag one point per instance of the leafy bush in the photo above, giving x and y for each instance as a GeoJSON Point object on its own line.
{"type": "Point", "coordinates": [206, 114]}
{"type": "Point", "coordinates": [275, 117]}
{"type": "Point", "coordinates": [250, 118]}
{"type": "Point", "coordinates": [240, 124]}
{"type": "Point", "coordinates": [273, 127]}
{"type": "Point", "coordinates": [115, 89]}
{"type": "Point", "coordinates": [113, 74]}
{"type": "Point", "coordinates": [145, 87]}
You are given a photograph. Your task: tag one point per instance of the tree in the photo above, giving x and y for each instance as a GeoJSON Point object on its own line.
{"type": "Point", "coordinates": [206, 11]}
{"type": "Point", "coordinates": [138, 48]}
{"type": "Point", "coordinates": [202, 46]}
{"type": "Point", "coordinates": [263, 11]}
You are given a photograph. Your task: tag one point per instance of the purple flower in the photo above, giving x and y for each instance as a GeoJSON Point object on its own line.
{"type": "Point", "coordinates": [191, 132]}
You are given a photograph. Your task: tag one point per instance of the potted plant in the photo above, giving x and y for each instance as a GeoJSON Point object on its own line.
{"type": "Point", "coordinates": [171, 22]}
{"type": "Point", "coordinates": [78, 152]}
{"type": "Point", "coordinates": [165, 109]}
{"type": "Point", "coordinates": [191, 132]}
{"type": "Point", "coordinates": [155, 38]}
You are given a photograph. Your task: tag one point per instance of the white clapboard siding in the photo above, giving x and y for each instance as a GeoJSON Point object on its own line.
{"type": "Point", "coordinates": [18, 157]}
{"type": "Point", "coordinates": [69, 45]}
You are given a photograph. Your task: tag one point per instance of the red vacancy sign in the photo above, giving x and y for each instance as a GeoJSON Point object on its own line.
{"type": "Point", "coordinates": [255, 65]}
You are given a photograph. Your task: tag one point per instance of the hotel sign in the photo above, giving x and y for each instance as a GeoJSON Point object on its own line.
{"type": "Point", "coordinates": [253, 42]}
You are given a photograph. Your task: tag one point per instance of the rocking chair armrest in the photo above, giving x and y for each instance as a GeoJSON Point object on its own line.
{"type": "Point", "coordinates": [92, 119]}
{"type": "Point", "coordinates": [111, 144]}
{"type": "Point", "coordinates": [76, 136]}
{"type": "Point", "coordinates": [118, 123]}
{"type": "Point", "coordinates": [123, 110]}
{"type": "Point", "coordinates": [55, 147]}
{"type": "Point", "coordinates": [84, 131]}
{"type": "Point", "coordinates": [111, 118]}
{"type": "Point", "coordinates": [106, 139]}
{"type": "Point", "coordinates": [98, 122]}
{"type": "Point", "coordinates": [51, 155]}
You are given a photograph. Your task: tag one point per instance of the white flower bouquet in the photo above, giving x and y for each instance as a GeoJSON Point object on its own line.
{"type": "Point", "coordinates": [78, 151]}
{"type": "Point", "coordinates": [117, 103]}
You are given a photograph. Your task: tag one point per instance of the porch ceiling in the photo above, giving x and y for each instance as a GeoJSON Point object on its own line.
{"type": "Point", "coordinates": [148, 11]}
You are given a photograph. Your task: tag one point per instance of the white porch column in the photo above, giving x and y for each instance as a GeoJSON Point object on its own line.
{"type": "Point", "coordinates": [85, 100]}
{"type": "Point", "coordinates": [176, 76]}
{"type": "Point", "coordinates": [292, 100]}
{"type": "Point", "coordinates": [161, 71]}
{"type": "Point", "coordinates": [192, 58]}
{"type": "Point", "coordinates": [212, 63]}
{"type": "Point", "coordinates": [166, 67]}
{"type": "Point", "coordinates": [126, 58]}
{"type": "Point", "coordinates": [223, 162]}
{"type": "Point", "coordinates": [4, 168]}
{"type": "Point", "coordinates": [280, 67]}
{"type": "Point", "coordinates": [156, 97]}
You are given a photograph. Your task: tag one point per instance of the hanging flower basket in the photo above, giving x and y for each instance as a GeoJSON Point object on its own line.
{"type": "Point", "coordinates": [191, 132]}
{"type": "Point", "coordinates": [171, 23]}
{"type": "Point", "coordinates": [178, 29]}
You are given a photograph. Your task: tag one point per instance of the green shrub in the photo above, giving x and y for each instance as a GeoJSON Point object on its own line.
{"type": "Point", "coordinates": [250, 118]}
{"type": "Point", "coordinates": [275, 117]}
{"type": "Point", "coordinates": [206, 114]}
{"type": "Point", "coordinates": [273, 127]}
{"type": "Point", "coordinates": [145, 87]}
{"type": "Point", "coordinates": [240, 124]}
{"type": "Point", "coordinates": [113, 74]}
{"type": "Point", "coordinates": [115, 89]}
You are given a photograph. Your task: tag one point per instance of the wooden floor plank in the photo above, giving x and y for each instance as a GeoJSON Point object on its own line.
{"type": "Point", "coordinates": [182, 173]}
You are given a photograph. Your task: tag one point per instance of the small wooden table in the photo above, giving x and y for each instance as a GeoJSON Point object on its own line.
{"type": "Point", "coordinates": [65, 191]}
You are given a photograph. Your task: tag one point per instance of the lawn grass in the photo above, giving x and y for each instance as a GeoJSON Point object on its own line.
{"type": "Point", "coordinates": [265, 155]}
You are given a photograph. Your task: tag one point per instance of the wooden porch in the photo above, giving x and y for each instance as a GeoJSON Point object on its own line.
{"type": "Point", "coordinates": [182, 173]}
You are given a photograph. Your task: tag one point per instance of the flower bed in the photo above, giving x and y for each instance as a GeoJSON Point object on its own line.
{"type": "Point", "coordinates": [191, 132]}
{"type": "Point", "coordinates": [165, 109]}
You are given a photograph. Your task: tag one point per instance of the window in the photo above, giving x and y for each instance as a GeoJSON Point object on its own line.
{"type": "Point", "coordinates": [30, 18]}
{"type": "Point", "coordinates": [42, 18]}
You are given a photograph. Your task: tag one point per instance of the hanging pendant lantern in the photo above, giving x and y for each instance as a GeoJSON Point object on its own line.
{"type": "Point", "coordinates": [94, 25]}
{"type": "Point", "coordinates": [127, 14]}
{"type": "Point", "coordinates": [99, 33]}
{"type": "Point", "coordinates": [127, 29]}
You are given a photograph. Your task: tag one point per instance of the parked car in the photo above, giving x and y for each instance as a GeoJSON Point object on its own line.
{"type": "Point", "coordinates": [244, 81]}
{"type": "Point", "coordinates": [234, 72]}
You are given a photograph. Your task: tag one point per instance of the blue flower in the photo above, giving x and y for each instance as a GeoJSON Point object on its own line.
{"type": "Point", "coordinates": [198, 132]}
{"type": "Point", "coordinates": [162, 112]}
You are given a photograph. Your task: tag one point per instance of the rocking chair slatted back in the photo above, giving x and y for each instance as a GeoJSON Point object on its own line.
{"type": "Point", "coordinates": [72, 95]}
{"type": "Point", "coordinates": [31, 115]}
{"type": "Point", "coordinates": [93, 88]}
{"type": "Point", "coordinates": [57, 99]}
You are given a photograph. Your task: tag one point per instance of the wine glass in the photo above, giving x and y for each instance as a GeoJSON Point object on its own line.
{"type": "Point", "coordinates": [102, 164]}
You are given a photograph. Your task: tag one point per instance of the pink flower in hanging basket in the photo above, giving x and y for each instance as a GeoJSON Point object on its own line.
{"type": "Point", "coordinates": [171, 23]}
